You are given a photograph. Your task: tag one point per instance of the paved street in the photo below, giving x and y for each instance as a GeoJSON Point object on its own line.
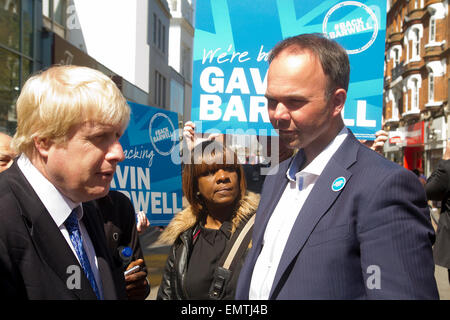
{"type": "Point", "coordinates": [441, 275]}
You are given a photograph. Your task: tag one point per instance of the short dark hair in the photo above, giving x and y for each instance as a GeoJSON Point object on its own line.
{"type": "Point", "coordinates": [332, 57]}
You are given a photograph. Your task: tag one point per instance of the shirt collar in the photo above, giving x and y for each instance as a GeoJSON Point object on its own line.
{"type": "Point", "coordinates": [58, 205]}
{"type": "Point", "coordinates": [318, 164]}
{"type": "Point", "coordinates": [296, 164]}
{"type": "Point", "coordinates": [210, 234]}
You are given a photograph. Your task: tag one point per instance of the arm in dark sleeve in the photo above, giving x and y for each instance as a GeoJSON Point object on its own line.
{"type": "Point", "coordinates": [166, 287]}
{"type": "Point", "coordinates": [134, 238]}
{"type": "Point", "coordinates": [125, 219]}
{"type": "Point", "coordinates": [8, 285]}
{"type": "Point", "coordinates": [128, 210]}
{"type": "Point", "coordinates": [438, 183]}
{"type": "Point", "coordinates": [396, 238]}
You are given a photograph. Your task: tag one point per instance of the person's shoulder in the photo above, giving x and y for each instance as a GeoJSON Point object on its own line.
{"type": "Point", "coordinates": [114, 199]}
{"type": "Point", "coordinates": [11, 213]}
{"type": "Point", "coordinates": [251, 201]}
{"type": "Point", "coordinates": [180, 223]}
{"type": "Point", "coordinates": [375, 167]}
{"type": "Point", "coordinates": [118, 197]}
{"type": "Point", "coordinates": [5, 186]}
{"type": "Point", "coordinates": [367, 155]}
{"type": "Point", "coordinates": [7, 195]}
{"type": "Point", "coordinates": [444, 164]}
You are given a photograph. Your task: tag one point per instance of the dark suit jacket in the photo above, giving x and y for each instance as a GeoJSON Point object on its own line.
{"type": "Point", "coordinates": [438, 188]}
{"type": "Point", "coordinates": [120, 226]}
{"type": "Point", "coordinates": [378, 225]}
{"type": "Point", "coordinates": [35, 257]}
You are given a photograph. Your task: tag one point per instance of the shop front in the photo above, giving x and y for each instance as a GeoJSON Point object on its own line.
{"type": "Point", "coordinates": [393, 146]}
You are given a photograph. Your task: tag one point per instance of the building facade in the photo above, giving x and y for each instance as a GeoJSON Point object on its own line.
{"type": "Point", "coordinates": [127, 40]}
{"type": "Point", "coordinates": [181, 45]}
{"type": "Point", "coordinates": [416, 88]}
{"type": "Point", "coordinates": [20, 53]}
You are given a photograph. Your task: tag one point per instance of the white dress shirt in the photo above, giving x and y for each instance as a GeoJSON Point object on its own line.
{"type": "Point", "coordinates": [285, 214]}
{"type": "Point", "coordinates": [60, 207]}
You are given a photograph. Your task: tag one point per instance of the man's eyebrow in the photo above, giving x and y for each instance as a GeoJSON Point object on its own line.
{"type": "Point", "coordinates": [287, 97]}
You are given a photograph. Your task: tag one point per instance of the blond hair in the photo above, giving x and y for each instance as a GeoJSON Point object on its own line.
{"type": "Point", "coordinates": [55, 100]}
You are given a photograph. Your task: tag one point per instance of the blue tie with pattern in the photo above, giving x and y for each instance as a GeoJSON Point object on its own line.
{"type": "Point", "coordinates": [77, 242]}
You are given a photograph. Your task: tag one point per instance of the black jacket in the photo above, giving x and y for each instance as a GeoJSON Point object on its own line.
{"type": "Point", "coordinates": [120, 226]}
{"type": "Point", "coordinates": [173, 282]}
{"type": "Point", "coordinates": [34, 256]}
{"type": "Point", "coordinates": [438, 188]}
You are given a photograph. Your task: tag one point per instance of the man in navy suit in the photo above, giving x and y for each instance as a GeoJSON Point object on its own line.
{"type": "Point", "coordinates": [337, 220]}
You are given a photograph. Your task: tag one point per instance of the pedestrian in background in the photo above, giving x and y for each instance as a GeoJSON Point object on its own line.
{"type": "Point", "coordinates": [438, 189]}
{"type": "Point", "coordinates": [7, 154]}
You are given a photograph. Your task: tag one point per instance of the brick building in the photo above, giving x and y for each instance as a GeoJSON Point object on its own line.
{"type": "Point", "coordinates": [416, 89]}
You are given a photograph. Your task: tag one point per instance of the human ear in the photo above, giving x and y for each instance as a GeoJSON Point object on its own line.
{"type": "Point", "coordinates": [42, 146]}
{"type": "Point", "coordinates": [338, 101]}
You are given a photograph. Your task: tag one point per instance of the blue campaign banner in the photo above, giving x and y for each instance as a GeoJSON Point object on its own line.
{"type": "Point", "coordinates": [147, 175]}
{"type": "Point", "coordinates": [231, 45]}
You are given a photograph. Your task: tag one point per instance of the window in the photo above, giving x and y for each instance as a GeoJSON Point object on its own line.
{"type": "Point", "coordinates": [55, 10]}
{"type": "Point", "coordinates": [16, 56]}
{"type": "Point", "coordinates": [395, 110]}
{"type": "Point", "coordinates": [160, 90]}
{"type": "Point", "coordinates": [163, 40]}
{"type": "Point", "coordinates": [416, 44]}
{"type": "Point", "coordinates": [155, 25]}
{"type": "Point", "coordinates": [57, 17]}
{"type": "Point", "coordinates": [186, 63]}
{"type": "Point", "coordinates": [430, 86]}
{"type": "Point", "coordinates": [415, 95]}
{"type": "Point", "coordinates": [59, 9]}
{"type": "Point", "coordinates": [400, 105]}
{"type": "Point", "coordinates": [176, 97]}
{"type": "Point", "coordinates": [396, 57]}
{"type": "Point", "coordinates": [406, 105]}
{"type": "Point", "coordinates": [432, 29]}
{"type": "Point", "coordinates": [46, 9]}
{"type": "Point", "coordinates": [159, 33]}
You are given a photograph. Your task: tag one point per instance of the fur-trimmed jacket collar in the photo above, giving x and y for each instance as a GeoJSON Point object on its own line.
{"type": "Point", "coordinates": [186, 219]}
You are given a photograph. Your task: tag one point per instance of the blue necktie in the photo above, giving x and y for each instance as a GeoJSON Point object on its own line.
{"type": "Point", "coordinates": [77, 242]}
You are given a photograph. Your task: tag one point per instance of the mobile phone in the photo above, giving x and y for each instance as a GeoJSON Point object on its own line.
{"type": "Point", "coordinates": [132, 270]}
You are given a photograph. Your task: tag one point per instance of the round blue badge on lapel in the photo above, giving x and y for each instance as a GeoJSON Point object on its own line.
{"type": "Point", "coordinates": [338, 184]}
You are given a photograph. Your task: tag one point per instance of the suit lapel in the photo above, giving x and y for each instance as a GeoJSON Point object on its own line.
{"type": "Point", "coordinates": [94, 225]}
{"type": "Point", "coordinates": [317, 204]}
{"type": "Point", "coordinates": [48, 241]}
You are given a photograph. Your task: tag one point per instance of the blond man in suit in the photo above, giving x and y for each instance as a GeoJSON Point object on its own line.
{"type": "Point", "coordinates": [52, 243]}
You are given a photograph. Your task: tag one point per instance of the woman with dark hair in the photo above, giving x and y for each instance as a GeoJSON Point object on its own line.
{"type": "Point", "coordinates": [209, 238]}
